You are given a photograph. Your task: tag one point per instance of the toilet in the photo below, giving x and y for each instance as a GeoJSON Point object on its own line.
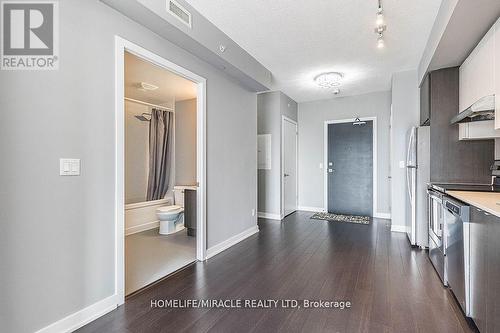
{"type": "Point", "coordinates": [172, 217]}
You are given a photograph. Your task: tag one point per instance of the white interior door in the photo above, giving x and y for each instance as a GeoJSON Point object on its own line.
{"type": "Point", "coordinates": [289, 166]}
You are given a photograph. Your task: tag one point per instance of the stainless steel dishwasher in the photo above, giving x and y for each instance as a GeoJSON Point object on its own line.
{"type": "Point", "coordinates": [457, 217]}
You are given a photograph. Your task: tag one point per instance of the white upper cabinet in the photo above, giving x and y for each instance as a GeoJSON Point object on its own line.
{"type": "Point", "coordinates": [480, 77]}
{"type": "Point", "coordinates": [477, 73]}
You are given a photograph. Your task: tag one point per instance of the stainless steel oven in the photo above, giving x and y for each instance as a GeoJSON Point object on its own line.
{"type": "Point", "coordinates": [437, 248]}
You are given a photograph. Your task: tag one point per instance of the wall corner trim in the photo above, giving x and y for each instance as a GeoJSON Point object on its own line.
{"type": "Point", "coordinates": [386, 216]}
{"type": "Point", "coordinates": [311, 209]}
{"type": "Point", "coordinates": [222, 246]}
{"type": "Point", "coordinates": [269, 216]}
{"type": "Point", "coordinates": [398, 228]}
{"type": "Point", "coordinates": [82, 317]}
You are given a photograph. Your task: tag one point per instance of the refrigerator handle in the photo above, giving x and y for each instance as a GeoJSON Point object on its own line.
{"type": "Point", "coordinates": [408, 153]}
{"type": "Point", "coordinates": [408, 164]}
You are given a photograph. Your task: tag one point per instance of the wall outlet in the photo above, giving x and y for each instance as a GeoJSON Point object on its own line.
{"type": "Point", "coordinates": [402, 164]}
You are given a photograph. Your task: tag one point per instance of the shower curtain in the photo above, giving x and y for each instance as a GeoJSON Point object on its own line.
{"type": "Point", "coordinates": [160, 153]}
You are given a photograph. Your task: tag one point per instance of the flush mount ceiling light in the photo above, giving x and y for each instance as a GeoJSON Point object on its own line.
{"type": "Point", "coordinates": [144, 86]}
{"type": "Point", "coordinates": [380, 27]}
{"type": "Point", "coordinates": [328, 80]}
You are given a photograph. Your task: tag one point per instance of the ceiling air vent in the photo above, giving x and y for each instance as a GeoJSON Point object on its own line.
{"type": "Point", "coordinates": [175, 8]}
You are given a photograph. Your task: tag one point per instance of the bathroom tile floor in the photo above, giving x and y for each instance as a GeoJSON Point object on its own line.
{"type": "Point", "coordinates": [150, 256]}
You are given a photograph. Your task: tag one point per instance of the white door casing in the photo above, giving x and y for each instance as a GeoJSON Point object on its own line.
{"type": "Point", "coordinates": [122, 46]}
{"type": "Point", "coordinates": [289, 166]}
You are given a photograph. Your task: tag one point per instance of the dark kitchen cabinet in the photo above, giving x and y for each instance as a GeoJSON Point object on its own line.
{"type": "Point", "coordinates": [425, 102]}
{"type": "Point", "coordinates": [452, 160]}
{"type": "Point", "coordinates": [485, 270]}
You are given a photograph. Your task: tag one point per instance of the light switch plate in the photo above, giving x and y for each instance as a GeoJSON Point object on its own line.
{"type": "Point", "coordinates": [402, 164]}
{"type": "Point", "coordinates": [69, 167]}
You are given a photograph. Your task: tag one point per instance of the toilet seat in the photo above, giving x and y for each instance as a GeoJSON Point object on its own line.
{"type": "Point", "coordinates": [173, 209]}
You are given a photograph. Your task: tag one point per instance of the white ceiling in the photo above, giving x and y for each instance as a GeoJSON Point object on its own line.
{"type": "Point", "coordinates": [172, 87]}
{"type": "Point", "coordinates": [296, 40]}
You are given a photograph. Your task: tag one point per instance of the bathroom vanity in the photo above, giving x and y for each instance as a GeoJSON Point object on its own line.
{"type": "Point", "coordinates": [190, 211]}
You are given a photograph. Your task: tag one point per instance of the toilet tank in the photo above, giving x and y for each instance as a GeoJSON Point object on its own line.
{"type": "Point", "coordinates": [179, 193]}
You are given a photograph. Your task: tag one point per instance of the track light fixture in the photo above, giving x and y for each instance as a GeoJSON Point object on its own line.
{"type": "Point", "coordinates": [380, 41]}
{"type": "Point", "coordinates": [380, 26]}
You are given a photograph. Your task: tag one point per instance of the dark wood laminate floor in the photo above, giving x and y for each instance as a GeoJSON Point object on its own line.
{"type": "Point", "coordinates": [392, 287]}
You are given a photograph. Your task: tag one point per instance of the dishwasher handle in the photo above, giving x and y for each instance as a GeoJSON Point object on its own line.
{"type": "Point", "coordinates": [457, 208]}
{"type": "Point", "coordinates": [452, 207]}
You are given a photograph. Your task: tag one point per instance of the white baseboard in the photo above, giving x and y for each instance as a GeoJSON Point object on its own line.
{"type": "Point", "coordinates": [142, 227]}
{"type": "Point", "coordinates": [386, 216]}
{"type": "Point", "coordinates": [269, 216]}
{"type": "Point", "coordinates": [80, 318]}
{"type": "Point", "coordinates": [311, 209]}
{"type": "Point", "coordinates": [214, 250]}
{"type": "Point", "coordinates": [398, 228]}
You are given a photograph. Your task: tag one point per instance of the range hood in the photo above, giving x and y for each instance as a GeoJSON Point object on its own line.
{"type": "Point", "coordinates": [483, 109]}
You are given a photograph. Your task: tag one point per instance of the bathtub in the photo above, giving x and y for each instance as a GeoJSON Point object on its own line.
{"type": "Point", "coordinates": [141, 216]}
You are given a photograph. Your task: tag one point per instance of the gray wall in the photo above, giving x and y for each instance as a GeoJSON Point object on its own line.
{"type": "Point", "coordinates": [202, 39]}
{"type": "Point", "coordinates": [438, 29]}
{"type": "Point", "coordinates": [268, 120]}
{"type": "Point", "coordinates": [288, 107]}
{"type": "Point", "coordinates": [405, 114]}
{"type": "Point", "coordinates": [136, 153]}
{"type": "Point", "coordinates": [270, 107]}
{"type": "Point", "coordinates": [185, 142]}
{"type": "Point", "coordinates": [451, 41]}
{"type": "Point", "coordinates": [57, 233]}
{"type": "Point", "coordinates": [312, 116]}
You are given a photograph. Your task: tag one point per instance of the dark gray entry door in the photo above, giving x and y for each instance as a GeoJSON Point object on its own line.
{"type": "Point", "coordinates": [350, 168]}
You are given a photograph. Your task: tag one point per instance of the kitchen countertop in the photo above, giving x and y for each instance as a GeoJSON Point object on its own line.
{"type": "Point", "coordinates": [445, 187]}
{"type": "Point", "coordinates": [487, 201]}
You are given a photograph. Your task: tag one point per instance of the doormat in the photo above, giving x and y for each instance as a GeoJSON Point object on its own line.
{"type": "Point", "coordinates": [341, 218]}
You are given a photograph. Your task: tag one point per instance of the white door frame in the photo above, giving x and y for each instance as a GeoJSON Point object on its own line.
{"type": "Point", "coordinates": [282, 173]}
{"type": "Point", "coordinates": [375, 158]}
{"type": "Point", "coordinates": [122, 45]}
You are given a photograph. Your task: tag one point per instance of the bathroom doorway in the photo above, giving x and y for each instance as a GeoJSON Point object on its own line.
{"type": "Point", "coordinates": [160, 194]}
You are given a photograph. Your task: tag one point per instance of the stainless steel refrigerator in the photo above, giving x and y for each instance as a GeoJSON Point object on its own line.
{"type": "Point", "coordinates": [417, 177]}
